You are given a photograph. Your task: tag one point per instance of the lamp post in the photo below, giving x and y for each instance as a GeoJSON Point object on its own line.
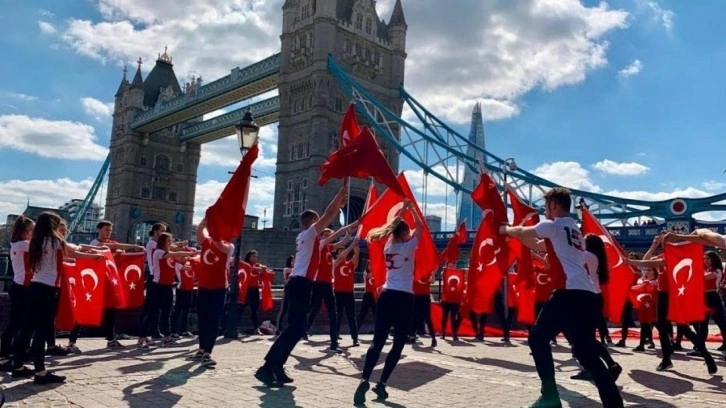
{"type": "Point", "coordinates": [247, 133]}
{"type": "Point", "coordinates": [509, 165]}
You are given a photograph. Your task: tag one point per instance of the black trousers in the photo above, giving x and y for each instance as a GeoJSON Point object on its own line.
{"type": "Point", "coordinates": [210, 303]}
{"type": "Point", "coordinates": [323, 292]}
{"type": "Point", "coordinates": [108, 323]}
{"type": "Point", "coordinates": [394, 310]}
{"type": "Point", "coordinates": [19, 318]}
{"type": "Point", "coordinates": [421, 315]}
{"type": "Point", "coordinates": [664, 326]}
{"type": "Point", "coordinates": [43, 299]}
{"type": "Point", "coordinates": [298, 296]}
{"type": "Point", "coordinates": [507, 321]}
{"type": "Point", "coordinates": [646, 333]}
{"type": "Point", "coordinates": [450, 309]}
{"type": "Point", "coordinates": [283, 311]}
{"type": "Point", "coordinates": [478, 322]}
{"type": "Point", "coordinates": [574, 311]}
{"type": "Point", "coordinates": [713, 301]}
{"type": "Point", "coordinates": [345, 303]}
{"type": "Point", "coordinates": [602, 324]}
{"type": "Point", "coordinates": [627, 320]}
{"type": "Point", "coordinates": [161, 300]}
{"type": "Point", "coordinates": [253, 301]}
{"type": "Point", "coordinates": [180, 315]}
{"type": "Point", "coordinates": [145, 309]}
{"type": "Point", "coordinates": [368, 303]}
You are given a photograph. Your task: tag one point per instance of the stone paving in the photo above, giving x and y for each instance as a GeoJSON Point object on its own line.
{"type": "Point", "coordinates": [452, 375]}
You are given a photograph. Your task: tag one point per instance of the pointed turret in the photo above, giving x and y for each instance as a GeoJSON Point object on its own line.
{"type": "Point", "coordinates": [397, 17]}
{"type": "Point", "coordinates": [122, 86]}
{"type": "Point", "coordinates": [138, 81]}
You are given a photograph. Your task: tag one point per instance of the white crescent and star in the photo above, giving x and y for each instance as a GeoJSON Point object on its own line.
{"type": "Point", "coordinates": [343, 270]}
{"type": "Point", "coordinates": [134, 268]}
{"type": "Point", "coordinates": [527, 218]}
{"type": "Point", "coordinates": [204, 257]}
{"type": "Point", "coordinates": [393, 212]}
{"type": "Point", "coordinates": [683, 263]}
{"type": "Point", "coordinates": [453, 286]}
{"type": "Point", "coordinates": [539, 280]}
{"type": "Point", "coordinates": [89, 272]}
{"type": "Point", "coordinates": [642, 296]}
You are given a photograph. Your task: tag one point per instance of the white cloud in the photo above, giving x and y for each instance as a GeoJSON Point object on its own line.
{"type": "Point", "coordinates": [713, 185]}
{"type": "Point", "coordinates": [41, 193]}
{"type": "Point", "coordinates": [46, 13]}
{"type": "Point", "coordinates": [97, 109]}
{"type": "Point", "coordinates": [661, 15]}
{"type": "Point", "coordinates": [634, 68]}
{"type": "Point", "coordinates": [621, 169]}
{"type": "Point", "coordinates": [58, 139]}
{"type": "Point", "coordinates": [46, 27]}
{"type": "Point", "coordinates": [19, 96]}
{"type": "Point", "coordinates": [567, 174]}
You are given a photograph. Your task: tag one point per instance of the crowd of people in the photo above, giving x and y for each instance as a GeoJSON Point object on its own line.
{"type": "Point", "coordinates": [321, 272]}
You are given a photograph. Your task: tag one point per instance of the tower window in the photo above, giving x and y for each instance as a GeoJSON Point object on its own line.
{"type": "Point", "coordinates": [289, 185]}
{"type": "Point", "coordinates": [145, 192]}
{"type": "Point", "coordinates": [143, 161]}
{"type": "Point", "coordinates": [369, 26]}
{"type": "Point", "coordinates": [159, 193]}
{"type": "Point", "coordinates": [117, 191]}
{"type": "Point", "coordinates": [161, 162]}
{"type": "Point", "coordinates": [173, 196]}
{"type": "Point", "coordinates": [358, 21]}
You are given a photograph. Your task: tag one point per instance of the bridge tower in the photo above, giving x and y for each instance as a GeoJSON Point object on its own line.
{"type": "Point", "coordinates": [152, 177]}
{"type": "Point", "coordinates": [312, 104]}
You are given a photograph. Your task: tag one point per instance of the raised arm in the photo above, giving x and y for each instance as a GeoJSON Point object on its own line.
{"type": "Point", "coordinates": [344, 255]}
{"type": "Point", "coordinates": [653, 247]}
{"type": "Point", "coordinates": [416, 219]}
{"type": "Point", "coordinates": [125, 247]}
{"type": "Point", "coordinates": [73, 251]}
{"type": "Point", "coordinates": [332, 211]}
{"type": "Point", "coordinates": [179, 254]}
{"type": "Point", "coordinates": [700, 236]}
{"type": "Point", "coordinates": [525, 234]}
{"type": "Point", "coordinates": [647, 263]}
{"type": "Point", "coordinates": [202, 233]}
{"type": "Point", "coordinates": [339, 232]}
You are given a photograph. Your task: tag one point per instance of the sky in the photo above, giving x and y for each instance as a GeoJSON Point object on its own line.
{"type": "Point", "coordinates": [621, 97]}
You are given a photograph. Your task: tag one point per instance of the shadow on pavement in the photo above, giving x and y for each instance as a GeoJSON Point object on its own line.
{"type": "Point", "coordinates": [665, 384]}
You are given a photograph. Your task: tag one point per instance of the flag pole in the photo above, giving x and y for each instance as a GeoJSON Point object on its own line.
{"type": "Point", "coordinates": [347, 207]}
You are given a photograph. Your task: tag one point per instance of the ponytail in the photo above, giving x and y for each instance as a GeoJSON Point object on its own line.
{"type": "Point", "coordinates": [384, 231]}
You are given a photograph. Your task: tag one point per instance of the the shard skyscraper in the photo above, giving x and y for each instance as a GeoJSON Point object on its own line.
{"type": "Point", "coordinates": [467, 209]}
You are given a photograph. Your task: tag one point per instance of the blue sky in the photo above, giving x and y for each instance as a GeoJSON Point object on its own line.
{"type": "Point", "coordinates": [623, 97]}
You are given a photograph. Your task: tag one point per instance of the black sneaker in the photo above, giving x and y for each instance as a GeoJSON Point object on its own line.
{"type": "Point", "coordinates": [281, 376]}
{"type": "Point", "coordinates": [651, 345]}
{"type": "Point", "coordinates": [677, 347]}
{"type": "Point", "coordinates": [334, 348]}
{"type": "Point", "coordinates": [455, 338]}
{"type": "Point", "coordinates": [208, 362]}
{"type": "Point", "coordinates": [711, 364]}
{"type": "Point", "coordinates": [23, 372]}
{"type": "Point", "coordinates": [433, 344]}
{"type": "Point", "coordinates": [615, 371]}
{"type": "Point", "coordinates": [640, 348]}
{"type": "Point", "coordinates": [380, 390]}
{"type": "Point", "coordinates": [6, 366]}
{"type": "Point", "coordinates": [56, 351]}
{"type": "Point", "coordinates": [265, 376]}
{"type": "Point", "coordinates": [355, 343]}
{"type": "Point", "coordinates": [582, 375]}
{"type": "Point", "coordinates": [620, 344]}
{"type": "Point", "coordinates": [547, 402]}
{"type": "Point", "coordinates": [359, 398]}
{"type": "Point", "coordinates": [664, 365]}
{"type": "Point", "coordinates": [49, 378]}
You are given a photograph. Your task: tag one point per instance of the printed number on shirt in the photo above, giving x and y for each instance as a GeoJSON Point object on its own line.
{"type": "Point", "coordinates": [391, 262]}
{"type": "Point", "coordinates": [574, 238]}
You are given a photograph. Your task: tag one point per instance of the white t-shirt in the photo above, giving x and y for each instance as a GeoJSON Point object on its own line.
{"type": "Point", "coordinates": [400, 257]}
{"type": "Point", "coordinates": [95, 242]}
{"type": "Point", "coordinates": [150, 247]}
{"type": "Point", "coordinates": [569, 247]}
{"type": "Point", "coordinates": [17, 258]}
{"type": "Point", "coordinates": [592, 264]}
{"type": "Point", "coordinates": [47, 272]}
{"type": "Point", "coordinates": [307, 244]}
{"type": "Point", "coordinates": [156, 259]}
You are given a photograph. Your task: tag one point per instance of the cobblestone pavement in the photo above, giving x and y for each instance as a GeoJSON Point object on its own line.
{"type": "Point", "coordinates": [452, 375]}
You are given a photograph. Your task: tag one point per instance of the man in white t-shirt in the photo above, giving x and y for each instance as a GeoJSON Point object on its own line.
{"type": "Point", "coordinates": [574, 304]}
{"type": "Point", "coordinates": [298, 290]}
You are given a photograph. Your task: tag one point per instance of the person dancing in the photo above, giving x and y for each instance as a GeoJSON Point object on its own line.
{"type": "Point", "coordinates": [574, 305]}
{"type": "Point", "coordinates": [395, 303]}
{"type": "Point", "coordinates": [343, 284]}
{"type": "Point", "coordinates": [286, 273]}
{"type": "Point", "coordinates": [254, 270]}
{"type": "Point", "coordinates": [714, 306]}
{"type": "Point", "coordinates": [298, 291]}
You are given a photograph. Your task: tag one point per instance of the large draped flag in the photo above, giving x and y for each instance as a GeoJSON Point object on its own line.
{"type": "Point", "coordinates": [64, 316]}
{"type": "Point", "coordinates": [361, 158]}
{"type": "Point", "coordinates": [349, 128]}
{"type": "Point", "coordinates": [644, 298]}
{"type": "Point", "coordinates": [87, 282]}
{"type": "Point", "coordinates": [244, 274]}
{"type": "Point", "coordinates": [487, 264]}
{"type": "Point", "coordinates": [622, 276]}
{"type": "Point", "coordinates": [451, 252]}
{"type": "Point", "coordinates": [226, 216]}
{"type": "Point", "coordinates": [486, 196]}
{"type": "Point", "coordinates": [526, 216]}
{"type": "Point", "coordinates": [454, 282]}
{"type": "Point", "coordinates": [684, 269]}
{"type": "Point", "coordinates": [130, 266]}
{"type": "Point", "coordinates": [115, 296]}
{"type": "Point", "coordinates": [385, 209]}
{"type": "Point", "coordinates": [371, 199]}
{"type": "Point", "coordinates": [267, 303]}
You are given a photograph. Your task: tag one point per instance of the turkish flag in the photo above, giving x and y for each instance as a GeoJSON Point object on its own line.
{"type": "Point", "coordinates": [622, 276]}
{"type": "Point", "coordinates": [486, 196]}
{"type": "Point", "coordinates": [684, 269]}
{"type": "Point", "coordinates": [378, 264]}
{"type": "Point", "coordinates": [486, 265]}
{"type": "Point", "coordinates": [524, 215]}
{"type": "Point", "coordinates": [523, 284]}
{"type": "Point", "coordinates": [386, 208]}
{"type": "Point", "coordinates": [244, 273]}
{"type": "Point", "coordinates": [115, 296]}
{"type": "Point", "coordinates": [361, 158]}
{"type": "Point", "coordinates": [451, 252]}
{"type": "Point", "coordinates": [88, 283]}
{"type": "Point", "coordinates": [544, 284]}
{"type": "Point", "coordinates": [349, 128]}
{"type": "Point", "coordinates": [267, 303]}
{"type": "Point", "coordinates": [644, 298]}
{"type": "Point", "coordinates": [130, 270]}
{"type": "Point", "coordinates": [454, 281]}
{"type": "Point", "coordinates": [64, 317]}
{"type": "Point", "coordinates": [226, 216]}
{"type": "Point", "coordinates": [371, 199]}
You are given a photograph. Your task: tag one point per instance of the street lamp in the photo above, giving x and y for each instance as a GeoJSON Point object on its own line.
{"type": "Point", "coordinates": [247, 134]}
{"type": "Point", "coordinates": [509, 165]}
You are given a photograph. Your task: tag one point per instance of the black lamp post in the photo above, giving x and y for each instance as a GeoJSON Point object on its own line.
{"type": "Point", "coordinates": [247, 133]}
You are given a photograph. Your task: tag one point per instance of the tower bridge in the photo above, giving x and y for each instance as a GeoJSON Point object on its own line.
{"type": "Point", "coordinates": [332, 52]}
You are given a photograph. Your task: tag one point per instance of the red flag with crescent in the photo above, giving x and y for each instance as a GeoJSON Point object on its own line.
{"type": "Point", "coordinates": [486, 196]}
{"type": "Point", "coordinates": [65, 317]}
{"type": "Point", "coordinates": [622, 276]}
{"type": "Point", "coordinates": [684, 269]}
{"type": "Point", "coordinates": [451, 252]}
{"type": "Point", "coordinates": [487, 264]}
{"type": "Point", "coordinates": [244, 274]}
{"type": "Point", "coordinates": [115, 297]}
{"type": "Point", "coordinates": [88, 283]}
{"type": "Point", "coordinates": [130, 266]}
{"type": "Point", "coordinates": [266, 302]}
{"type": "Point", "coordinates": [644, 298]}
{"type": "Point", "coordinates": [349, 128]}
{"type": "Point", "coordinates": [454, 281]}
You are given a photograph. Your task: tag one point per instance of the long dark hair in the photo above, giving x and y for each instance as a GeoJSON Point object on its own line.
{"type": "Point", "coordinates": [22, 224]}
{"type": "Point", "coordinates": [248, 255]}
{"type": "Point", "coordinates": [45, 228]}
{"type": "Point", "coordinates": [715, 260]}
{"type": "Point", "coordinates": [595, 245]}
{"type": "Point", "coordinates": [163, 239]}
{"type": "Point", "coordinates": [289, 261]}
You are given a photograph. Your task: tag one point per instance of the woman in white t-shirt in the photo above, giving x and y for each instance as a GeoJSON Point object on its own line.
{"type": "Point", "coordinates": [395, 304]}
{"type": "Point", "coordinates": [46, 252]}
{"type": "Point", "coordinates": [715, 309]}
{"type": "Point", "coordinates": [19, 242]}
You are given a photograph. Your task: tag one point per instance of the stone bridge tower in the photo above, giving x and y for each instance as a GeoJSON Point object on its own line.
{"type": "Point", "coordinates": [152, 177]}
{"type": "Point", "coordinates": [312, 103]}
